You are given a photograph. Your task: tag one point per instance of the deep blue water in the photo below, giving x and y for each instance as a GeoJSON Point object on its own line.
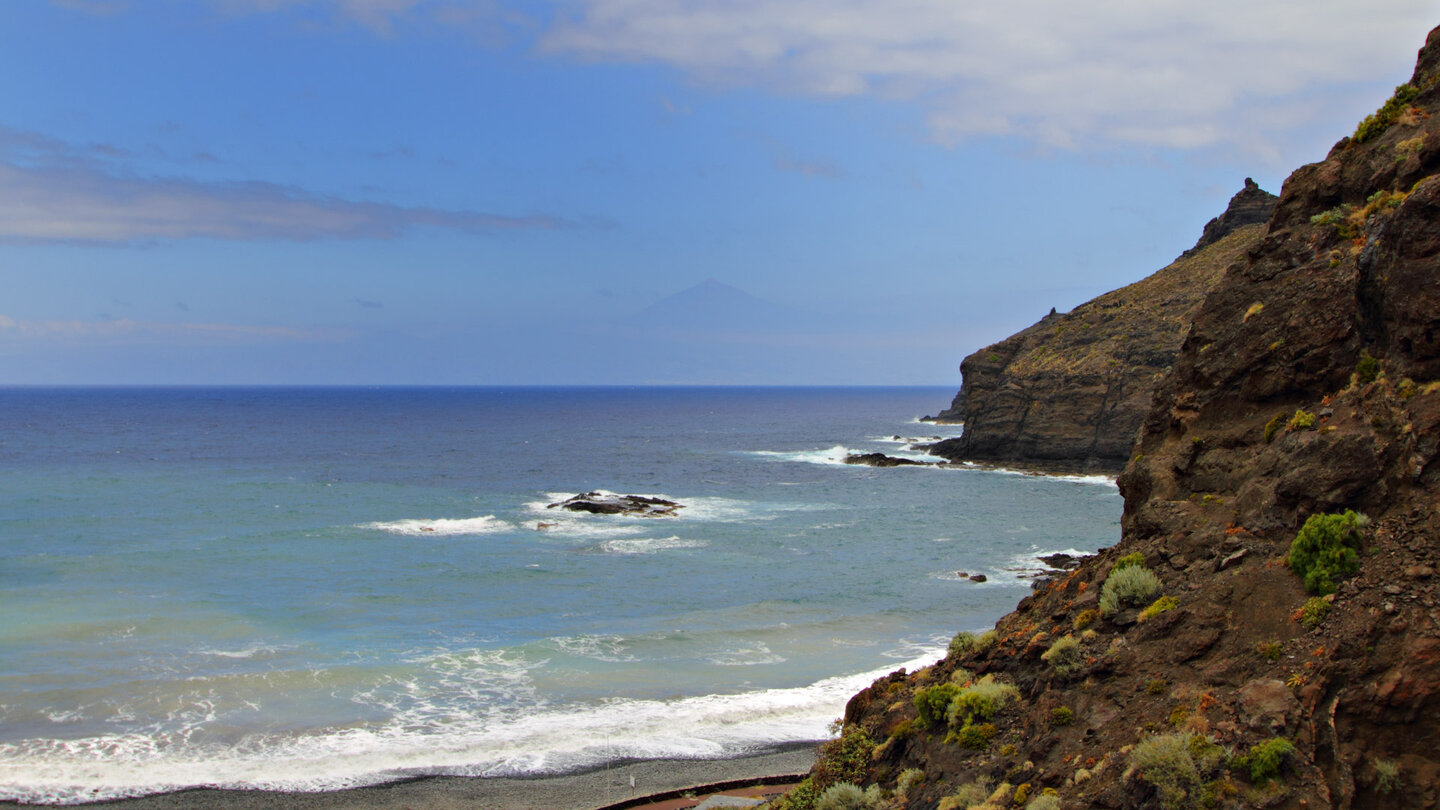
{"type": "Point", "coordinates": [317, 588]}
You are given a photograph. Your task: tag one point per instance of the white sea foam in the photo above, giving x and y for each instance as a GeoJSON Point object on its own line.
{"type": "Point", "coordinates": [610, 648]}
{"type": "Point", "coordinates": [442, 527]}
{"type": "Point", "coordinates": [748, 655]}
{"type": "Point", "coordinates": [911, 445]}
{"type": "Point", "coordinates": [548, 739]}
{"type": "Point", "coordinates": [649, 545]}
{"type": "Point", "coordinates": [830, 455]}
{"type": "Point", "coordinates": [569, 527]}
{"type": "Point", "coordinates": [255, 651]}
{"type": "Point", "coordinates": [1093, 480]}
{"type": "Point", "coordinates": [1018, 569]}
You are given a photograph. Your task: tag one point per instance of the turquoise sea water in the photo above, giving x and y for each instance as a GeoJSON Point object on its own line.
{"type": "Point", "coordinates": [318, 588]}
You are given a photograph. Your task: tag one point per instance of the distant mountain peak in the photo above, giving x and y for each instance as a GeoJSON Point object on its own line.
{"type": "Point", "coordinates": [711, 304]}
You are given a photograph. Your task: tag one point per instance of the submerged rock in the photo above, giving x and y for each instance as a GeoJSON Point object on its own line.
{"type": "Point", "coordinates": [609, 503]}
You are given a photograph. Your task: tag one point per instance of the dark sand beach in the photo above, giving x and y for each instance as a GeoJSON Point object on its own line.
{"type": "Point", "coordinates": [579, 791]}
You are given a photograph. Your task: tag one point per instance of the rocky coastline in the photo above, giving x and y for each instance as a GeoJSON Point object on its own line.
{"type": "Point", "coordinates": [1069, 393]}
{"type": "Point", "coordinates": [1266, 633]}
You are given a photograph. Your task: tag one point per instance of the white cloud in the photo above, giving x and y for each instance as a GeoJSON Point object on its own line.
{"type": "Point", "coordinates": [1165, 73]}
{"type": "Point", "coordinates": [86, 205]}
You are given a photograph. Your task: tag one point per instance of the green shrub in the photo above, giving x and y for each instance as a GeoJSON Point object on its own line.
{"type": "Point", "coordinates": [933, 701]}
{"type": "Point", "coordinates": [1273, 426]}
{"type": "Point", "coordinates": [974, 736]}
{"type": "Point", "coordinates": [1387, 776]}
{"type": "Point", "coordinates": [981, 700]}
{"type": "Point", "coordinates": [969, 795]}
{"type": "Point", "coordinates": [1327, 548]}
{"type": "Point", "coordinates": [845, 796]}
{"type": "Point", "coordinates": [1302, 420]}
{"type": "Point", "coordinates": [801, 797]}
{"type": "Point", "coordinates": [1176, 765]}
{"type": "Point", "coordinates": [1085, 618]}
{"type": "Point", "coordinates": [1389, 112]}
{"type": "Point", "coordinates": [1156, 686]}
{"type": "Point", "coordinates": [1159, 606]}
{"type": "Point", "coordinates": [1132, 585]}
{"type": "Point", "coordinates": [1313, 612]}
{"type": "Point", "coordinates": [1264, 761]}
{"type": "Point", "coordinates": [1270, 650]}
{"type": "Point", "coordinates": [966, 642]}
{"type": "Point", "coordinates": [1062, 716]}
{"type": "Point", "coordinates": [909, 779]}
{"type": "Point", "coordinates": [1047, 801]}
{"type": "Point", "coordinates": [1165, 763]}
{"type": "Point", "coordinates": [1021, 794]}
{"type": "Point", "coordinates": [1332, 216]}
{"type": "Point", "coordinates": [902, 729]}
{"type": "Point", "coordinates": [1135, 560]}
{"type": "Point", "coordinates": [1064, 656]}
{"type": "Point", "coordinates": [843, 759]}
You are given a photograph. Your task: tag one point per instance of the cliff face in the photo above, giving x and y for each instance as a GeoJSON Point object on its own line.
{"type": "Point", "coordinates": [1072, 390]}
{"type": "Point", "coordinates": [1309, 383]}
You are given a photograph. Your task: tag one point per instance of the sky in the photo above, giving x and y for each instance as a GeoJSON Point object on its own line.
{"type": "Point", "coordinates": [628, 192]}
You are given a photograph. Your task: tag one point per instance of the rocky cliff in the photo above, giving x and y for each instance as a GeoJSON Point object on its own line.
{"type": "Point", "coordinates": [1071, 391]}
{"type": "Point", "coordinates": [1192, 665]}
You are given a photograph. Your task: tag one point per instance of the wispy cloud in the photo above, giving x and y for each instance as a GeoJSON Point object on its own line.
{"type": "Point", "coordinates": [1167, 74]}
{"type": "Point", "coordinates": [787, 162]}
{"type": "Point", "coordinates": [1065, 74]}
{"type": "Point", "coordinates": [77, 202]}
{"type": "Point", "coordinates": [140, 331]}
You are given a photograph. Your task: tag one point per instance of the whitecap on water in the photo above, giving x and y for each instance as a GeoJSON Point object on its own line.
{"type": "Point", "coordinates": [831, 455]}
{"type": "Point", "coordinates": [746, 656]}
{"type": "Point", "coordinates": [609, 648]}
{"type": "Point", "coordinates": [649, 545]}
{"type": "Point", "coordinates": [442, 527]}
{"type": "Point", "coordinates": [258, 651]}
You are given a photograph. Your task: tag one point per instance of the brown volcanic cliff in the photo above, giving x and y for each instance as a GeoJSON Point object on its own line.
{"type": "Point", "coordinates": [1274, 411]}
{"type": "Point", "coordinates": [1071, 391]}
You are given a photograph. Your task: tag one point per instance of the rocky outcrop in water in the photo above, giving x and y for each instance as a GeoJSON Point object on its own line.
{"type": "Point", "coordinates": [609, 503]}
{"type": "Point", "coordinates": [1210, 675]}
{"type": "Point", "coordinates": [882, 460]}
{"type": "Point", "coordinates": [1071, 391]}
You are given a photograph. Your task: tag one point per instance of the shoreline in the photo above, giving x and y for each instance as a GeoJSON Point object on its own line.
{"type": "Point", "coordinates": [584, 790]}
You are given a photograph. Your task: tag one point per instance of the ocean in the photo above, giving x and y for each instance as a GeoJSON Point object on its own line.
{"type": "Point", "coordinates": [320, 588]}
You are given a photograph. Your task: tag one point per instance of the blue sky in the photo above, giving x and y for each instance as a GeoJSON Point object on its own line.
{"type": "Point", "coordinates": [627, 191]}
